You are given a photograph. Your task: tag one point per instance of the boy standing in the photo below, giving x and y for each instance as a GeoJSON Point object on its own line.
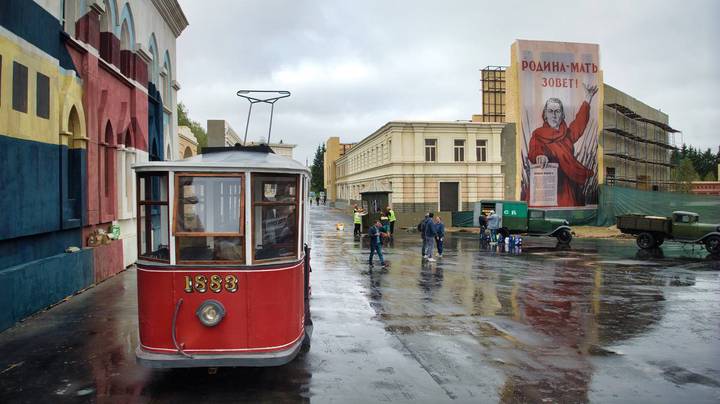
{"type": "Point", "coordinates": [439, 234]}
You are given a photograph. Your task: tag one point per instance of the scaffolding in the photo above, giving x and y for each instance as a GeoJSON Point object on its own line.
{"type": "Point", "coordinates": [637, 149]}
{"type": "Point", "coordinates": [493, 93]}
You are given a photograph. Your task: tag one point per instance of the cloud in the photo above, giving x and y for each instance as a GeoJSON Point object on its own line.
{"type": "Point", "coordinates": [352, 67]}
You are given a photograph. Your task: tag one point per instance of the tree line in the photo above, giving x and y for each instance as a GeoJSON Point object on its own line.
{"type": "Point", "coordinates": [693, 164]}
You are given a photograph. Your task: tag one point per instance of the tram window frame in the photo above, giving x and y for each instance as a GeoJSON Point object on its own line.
{"type": "Point", "coordinates": [259, 175]}
{"type": "Point", "coordinates": [148, 204]}
{"type": "Point", "coordinates": [184, 234]}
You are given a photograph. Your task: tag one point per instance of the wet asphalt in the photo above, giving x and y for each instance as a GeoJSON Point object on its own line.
{"type": "Point", "coordinates": [598, 322]}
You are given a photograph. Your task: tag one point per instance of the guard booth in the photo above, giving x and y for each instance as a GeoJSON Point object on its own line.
{"type": "Point", "coordinates": [513, 214]}
{"type": "Point", "coordinates": [374, 202]}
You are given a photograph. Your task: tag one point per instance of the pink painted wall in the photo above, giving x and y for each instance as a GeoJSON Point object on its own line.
{"type": "Point", "coordinates": [107, 260]}
{"type": "Point", "coordinates": [109, 98]}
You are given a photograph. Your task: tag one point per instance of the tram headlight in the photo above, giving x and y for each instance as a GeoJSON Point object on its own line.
{"type": "Point", "coordinates": [210, 313]}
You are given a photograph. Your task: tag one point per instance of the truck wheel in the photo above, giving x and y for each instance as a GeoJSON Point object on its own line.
{"type": "Point", "coordinates": [564, 236]}
{"type": "Point", "coordinates": [712, 244]}
{"type": "Point", "coordinates": [646, 240]}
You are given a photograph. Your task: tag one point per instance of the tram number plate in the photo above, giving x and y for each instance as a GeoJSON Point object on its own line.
{"type": "Point", "coordinates": [214, 283]}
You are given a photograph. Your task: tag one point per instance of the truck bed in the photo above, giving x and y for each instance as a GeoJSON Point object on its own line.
{"type": "Point", "coordinates": [634, 224]}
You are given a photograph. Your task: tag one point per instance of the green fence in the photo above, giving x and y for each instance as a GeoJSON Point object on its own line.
{"type": "Point", "coordinates": [616, 201]}
{"type": "Point", "coordinates": [462, 219]}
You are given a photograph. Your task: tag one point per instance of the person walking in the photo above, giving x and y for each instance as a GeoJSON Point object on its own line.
{"type": "Point", "coordinates": [357, 221]}
{"type": "Point", "coordinates": [429, 233]}
{"type": "Point", "coordinates": [317, 200]}
{"type": "Point", "coordinates": [392, 218]}
{"type": "Point", "coordinates": [376, 234]}
{"type": "Point", "coordinates": [493, 223]}
{"type": "Point", "coordinates": [482, 220]}
{"type": "Point", "coordinates": [421, 230]}
{"type": "Point", "coordinates": [439, 235]}
{"type": "Point", "coordinates": [324, 199]}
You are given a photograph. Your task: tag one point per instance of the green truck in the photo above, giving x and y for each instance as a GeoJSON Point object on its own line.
{"type": "Point", "coordinates": [517, 218]}
{"type": "Point", "coordinates": [684, 227]}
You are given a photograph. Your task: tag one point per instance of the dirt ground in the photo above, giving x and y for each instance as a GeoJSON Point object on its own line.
{"type": "Point", "coordinates": [578, 231]}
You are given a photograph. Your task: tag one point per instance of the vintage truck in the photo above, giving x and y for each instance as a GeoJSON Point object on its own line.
{"type": "Point", "coordinates": [517, 218]}
{"type": "Point", "coordinates": [684, 227]}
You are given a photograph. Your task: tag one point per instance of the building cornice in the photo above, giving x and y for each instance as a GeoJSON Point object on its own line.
{"type": "Point", "coordinates": [173, 15]}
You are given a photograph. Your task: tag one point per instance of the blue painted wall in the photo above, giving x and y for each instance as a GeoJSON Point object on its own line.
{"type": "Point", "coordinates": [34, 187]}
{"type": "Point", "coordinates": [28, 20]}
{"type": "Point", "coordinates": [30, 287]}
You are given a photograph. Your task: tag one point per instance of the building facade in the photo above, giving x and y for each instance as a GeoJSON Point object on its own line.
{"type": "Point", "coordinates": [636, 143]}
{"type": "Point", "coordinates": [76, 78]}
{"type": "Point", "coordinates": [333, 151]}
{"type": "Point", "coordinates": [43, 154]}
{"type": "Point", "coordinates": [424, 166]}
{"type": "Point", "coordinates": [125, 52]}
{"type": "Point", "coordinates": [187, 143]}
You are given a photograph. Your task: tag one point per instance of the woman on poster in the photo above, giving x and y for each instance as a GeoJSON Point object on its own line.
{"type": "Point", "coordinates": [554, 142]}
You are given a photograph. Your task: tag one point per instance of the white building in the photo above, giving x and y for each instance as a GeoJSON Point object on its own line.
{"type": "Point", "coordinates": [427, 166]}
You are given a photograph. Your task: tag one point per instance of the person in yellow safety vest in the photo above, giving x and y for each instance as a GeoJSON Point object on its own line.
{"type": "Point", "coordinates": [357, 220]}
{"type": "Point", "coordinates": [392, 218]}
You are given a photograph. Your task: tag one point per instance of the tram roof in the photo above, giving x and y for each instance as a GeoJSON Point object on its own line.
{"type": "Point", "coordinates": [229, 158]}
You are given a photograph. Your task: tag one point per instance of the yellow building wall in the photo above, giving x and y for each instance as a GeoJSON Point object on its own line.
{"type": "Point", "coordinates": [65, 93]}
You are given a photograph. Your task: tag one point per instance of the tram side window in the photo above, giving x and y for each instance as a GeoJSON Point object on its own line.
{"type": "Point", "coordinates": [209, 219]}
{"type": "Point", "coordinates": [153, 241]}
{"type": "Point", "coordinates": [275, 216]}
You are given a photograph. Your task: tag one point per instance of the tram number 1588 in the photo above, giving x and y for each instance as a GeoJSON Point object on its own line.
{"type": "Point", "coordinates": [216, 283]}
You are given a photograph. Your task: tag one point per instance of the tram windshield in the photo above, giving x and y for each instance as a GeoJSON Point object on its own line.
{"type": "Point", "coordinates": [275, 216]}
{"type": "Point", "coordinates": [209, 220]}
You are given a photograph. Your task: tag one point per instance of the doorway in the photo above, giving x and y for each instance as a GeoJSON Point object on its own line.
{"type": "Point", "coordinates": [449, 196]}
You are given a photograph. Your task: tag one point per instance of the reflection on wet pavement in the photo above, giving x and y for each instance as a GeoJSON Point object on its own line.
{"type": "Point", "coordinates": [598, 322]}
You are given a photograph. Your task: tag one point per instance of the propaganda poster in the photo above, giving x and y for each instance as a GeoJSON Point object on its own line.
{"type": "Point", "coordinates": [559, 112]}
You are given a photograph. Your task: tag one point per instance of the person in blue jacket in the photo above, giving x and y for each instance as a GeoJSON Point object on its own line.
{"type": "Point", "coordinates": [376, 234]}
{"type": "Point", "coordinates": [439, 235]}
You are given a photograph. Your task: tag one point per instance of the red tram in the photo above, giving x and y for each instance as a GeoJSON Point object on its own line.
{"type": "Point", "coordinates": [223, 265]}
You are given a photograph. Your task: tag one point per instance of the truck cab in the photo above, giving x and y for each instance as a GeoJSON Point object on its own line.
{"type": "Point", "coordinates": [687, 226]}
{"type": "Point", "coordinates": [539, 224]}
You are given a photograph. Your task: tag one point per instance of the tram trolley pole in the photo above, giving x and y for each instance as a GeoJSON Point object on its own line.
{"type": "Point", "coordinates": [255, 99]}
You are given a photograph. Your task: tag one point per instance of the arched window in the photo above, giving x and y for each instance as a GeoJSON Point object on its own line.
{"type": "Point", "coordinates": [188, 152]}
{"type": "Point", "coordinates": [125, 43]}
{"type": "Point", "coordinates": [167, 82]}
{"type": "Point", "coordinates": [73, 174]}
{"type": "Point", "coordinates": [107, 20]}
{"type": "Point", "coordinates": [128, 139]}
{"type": "Point", "coordinates": [154, 66]}
{"type": "Point", "coordinates": [127, 29]}
{"type": "Point", "coordinates": [109, 160]}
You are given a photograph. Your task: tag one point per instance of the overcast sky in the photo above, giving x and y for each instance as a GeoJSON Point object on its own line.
{"type": "Point", "coordinates": [352, 66]}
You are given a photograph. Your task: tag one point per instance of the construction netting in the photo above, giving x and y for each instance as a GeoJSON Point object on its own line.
{"type": "Point", "coordinates": [616, 201]}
